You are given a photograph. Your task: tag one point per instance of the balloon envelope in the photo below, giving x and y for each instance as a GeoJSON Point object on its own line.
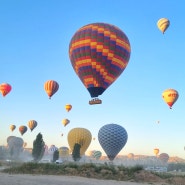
{"type": "Point", "coordinates": [68, 107]}
{"type": "Point", "coordinates": [164, 157]}
{"type": "Point", "coordinates": [65, 122]}
{"type": "Point", "coordinates": [112, 138]}
{"type": "Point", "coordinates": [51, 87]}
{"type": "Point", "coordinates": [79, 136]}
{"type": "Point", "coordinates": [32, 124]}
{"type": "Point", "coordinates": [156, 151]}
{"type": "Point", "coordinates": [163, 24]}
{"type": "Point", "coordinates": [5, 88]}
{"type": "Point", "coordinates": [22, 129]}
{"type": "Point", "coordinates": [12, 127]}
{"type": "Point", "coordinates": [99, 53]}
{"type": "Point", "coordinates": [170, 96]}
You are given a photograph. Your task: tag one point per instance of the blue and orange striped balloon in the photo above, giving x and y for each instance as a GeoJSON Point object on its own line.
{"type": "Point", "coordinates": [99, 53]}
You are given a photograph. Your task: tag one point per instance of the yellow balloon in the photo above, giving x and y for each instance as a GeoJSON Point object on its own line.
{"type": "Point", "coordinates": [170, 96]}
{"type": "Point", "coordinates": [12, 127]}
{"type": "Point", "coordinates": [68, 107]}
{"type": "Point", "coordinates": [163, 24]}
{"type": "Point", "coordinates": [156, 151]}
{"type": "Point", "coordinates": [65, 122]}
{"type": "Point", "coordinates": [79, 136]}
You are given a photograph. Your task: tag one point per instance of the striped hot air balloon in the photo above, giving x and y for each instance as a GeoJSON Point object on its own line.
{"type": "Point", "coordinates": [163, 24]}
{"type": "Point", "coordinates": [51, 87]}
{"type": "Point", "coordinates": [99, 53]}
{"type": "Point", "coordinates": [32, 124]}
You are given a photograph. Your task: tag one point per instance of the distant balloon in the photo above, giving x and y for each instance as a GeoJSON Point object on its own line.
{"type": "Point", "coordinates": [52, 149]}
{"type": "Point", "coordinates": [164, 157]}
{"type": "Point", "coordinates": [156, 151]}
{"type": "Point", "coordinates": [68, 107]}
{"type": "Point", "coordinates": [99, 53]}
{"type": "Point", "coordinates": [51, 87]}
{"type": "Point", "coordinates": [130, 155]}
{"type": "Point", "coordinates": [65, 122]}
{"type": "Point", "coordinates": [79, 136]}
{"type": "Point", "coordinates": [63, 151]}
{"type": "Point", "coordinates": [22, 129]}
{"type": "Point", "coordinates": [32, 124]}
{"type": "Point", "coordinates": [112, 138]}
{"type": "Point", "coordinates": [5, 88]}
{"type": "Point", "coordinates": [97, 155]}
{"type": "Point", "coordinates": [170, 96]}
{"type": "Point", "coordinates": [91, 152]}
{"type": "Point", "coordinates": [163, 24]}
{"type": "Point", "coordinates": [15, 145]}
{"type": "Point", "coordinates": [12, 127]}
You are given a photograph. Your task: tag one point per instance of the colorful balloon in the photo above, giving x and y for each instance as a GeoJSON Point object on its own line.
{"type": "Point", "coordinates": [163, 24]}
{"type": "Point", "coordinates": [51, 87]}
{"type": "Point", "coordinates": [32, 124]}
{"type": "Point", "coordinates": [170, 96]}
{"type": "Point", "coordinates": [12, 127]}
{"type": "Point", "coordinates": [5, 88]}
{"type": "Point", "coordinates": [112, 138]}
{"type": "Point", "coordinates": [68, 107]}
{"type": "Point", "coordinates": [22, 129]}
{"type": "Point", "coordinates": [79, 136]}
{"type": "Point", "coordinates": [65, 122]}
{"type": "Point", "coordinates": [97, 155]}
{"type": "Point", "coordinates": [99, 53]}
{"type": "Point", "coordinates": [156, 151]}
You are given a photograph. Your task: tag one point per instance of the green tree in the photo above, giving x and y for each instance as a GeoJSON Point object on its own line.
{"type": "Point", "coordinates": [76, 152]}
{"type": "Point", "coordinates": [38, 148]}
{"type": "Point", "coordinates": [55, 155]}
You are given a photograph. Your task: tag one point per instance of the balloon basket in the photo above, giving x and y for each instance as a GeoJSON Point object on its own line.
{"type": "Point", "coordinates": [95, 101]}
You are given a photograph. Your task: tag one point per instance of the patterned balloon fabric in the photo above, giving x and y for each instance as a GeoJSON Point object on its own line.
{"type": "Point", "coordinates": [99, 53]}
{"type": "Point", "coordinates": [112, 138]}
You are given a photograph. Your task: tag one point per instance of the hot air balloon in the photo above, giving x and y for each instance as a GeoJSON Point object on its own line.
{"type": "Point", "coordinates": [170, 96]}
{"type": "Point", "coordinates": [112, 138]}
{"type": "Point", "coordinates": [99, 53]}
{"type": "Point", "coordinates": [51, 87]}
{"type": "Point", "coordinates": [79, 136]}
{"type": "Point", "coordinates": [12, 127]}
{"type": "Point", "coordinates": [68, 107]}
{"type": "Point", "coordinates": [15, 145]}
{"type": "Point", "coordinates": [97, 154]}
{"type": "Point", "coordinates": [156, 151]}
{"type": "Point", "coordinates": [163, 24]}
{"type": "Point", "coordinates": [5, 88]}
{"type": "Point", "coordinates": [130, 155]}
{"type": "Point", "coordinates": [65, 122]}
{"type": "Point", "coordinates": [52, 149]}
{"type": "Point", "coordinates": [32, 124]}
{"type": "Point", "coordinates": [164, 157]}
{"type": "Point", "coordinates": [63, 151]}
{"type": "Point", "coordinates": [22, 129]}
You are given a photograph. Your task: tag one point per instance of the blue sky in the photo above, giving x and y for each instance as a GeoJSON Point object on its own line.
{"type": "Point", "coordinates": [34, 42]}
